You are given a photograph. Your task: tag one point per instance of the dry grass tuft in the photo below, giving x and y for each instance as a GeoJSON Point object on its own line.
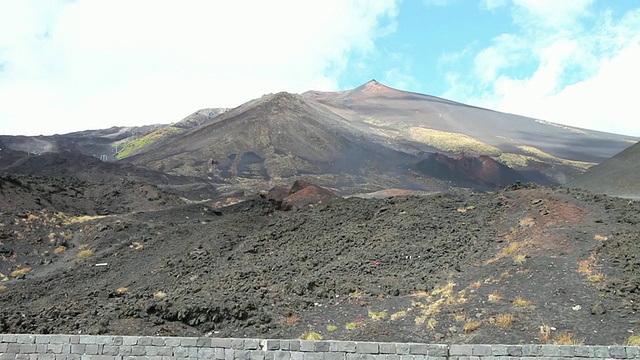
{"type": "Point", "coordinates": [3, 288]}
{"type": "Point", "coordinates": [432, 323]}
{"type": "Point", "coordinates": [600, 237]}
{"type": "Point", "coordinates": [420, 320]}
{"type": "Point", "coordinates": [85, 254]}
{"type": "Point", "coordinates": [21, 272]}
{"type": "Point", "coordinates": [60, 249]}
{"type": "Point", "coordinates": [122, 290]}
{"type": "Point", "coordinates": [512, 248]}
{"type": "Point", "coordinates": [136, 245]}
{"type": "Point", "coordinates": [69, 220]}
{"type": "Point", "coordinates": [332, 328]}
{"type": "Point", "coordinates": [494, 296]}
{"type": "Point", "coordinates": [160, 294]}
{"type": "Point", "coordinates": [544, 334]}
{"type": "Point", "coordinates": [520, 302]}
{"type": "Point", "coordinates": [566, 338]}
{"type": "Point", "coordinates": [471, 326]}
{"type": "Point", "coordinates": [633, 340]}
{"type": "Point", "coordinates": [459, 317]}
{"type": "Point", "coordinates": [291, 319]}
{"type": "Point", "coordinates": [505, 320]}
{"type": "Point", "coordinates": [519, 259]}
{"type": "Point", "coordinates": [475, 285]}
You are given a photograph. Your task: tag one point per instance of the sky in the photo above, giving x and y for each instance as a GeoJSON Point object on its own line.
{"type": "Point", "coordinates": [90, 64]}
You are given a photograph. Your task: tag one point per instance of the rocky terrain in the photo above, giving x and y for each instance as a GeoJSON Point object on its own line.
{"type": "Point", "coordinates": [298, 216]}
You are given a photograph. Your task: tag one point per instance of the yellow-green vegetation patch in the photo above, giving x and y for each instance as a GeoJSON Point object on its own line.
{"type": "Point", "coordinates": [160, 294]}
{"type": "Point", "coordinates": [521, 302]}
{"type": "Point", "coordinates": [398, 315]}
{"type": "Point", "coordinates": [543, 155]}
{"type": "Point", "coordinates": [377, 315]}
{"type": "Point", "coordinates": [3, 288]}
{"type": "Point", "coordinates": [451, 141]}
{"type": "Point", "coordinates": [129, 146]}
{"type": "Point", "coordinates": [69, 220]}
{"type": "Point", "coordinates": [351, 326]}
{"type": "Point", "coordinates": [21, 272]}
{"type": "Point", "coordinates": [432, 323]}
{"type": "Point", "coordinates": [633, 340]}
{"type": "Point", "coordinates": [332, 328]}
{"type": "Point", "coordinates": [84, 254]}
{"type": "Point", "coordinates": [311, 336]}
{"type": "Point", "coordinates": [595, 278]}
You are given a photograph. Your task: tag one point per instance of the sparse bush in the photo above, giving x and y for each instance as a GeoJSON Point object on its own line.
{"type": "Point", "coordinates": [566, 338]}
{"type": "Point", "coordinates": [471, 326]}
{"type": "Point", "coordinates": [519, 259]}
{"type": "Point", "coordinates": [3, 288]}
{"type": "Point", "coordinates": [311, 336]}
{"type": "Point", "coordinates": [505, 320]}
{"type": "Point", "coordinates": [545, 334]}
{"type": "Point", "coordinates": [520, 302]}
{"type": "Point", "coordinates": [21, 272]}
{"type": "Point", "coordinates": [419, 320]}
{"type": "Point", "coordinates": [60, 249]}
{"type": "Point", "coordinates": [475, 285]}
{"type": "Point", "coordinates": [431, 324]}
{"type": "Point", "coordinates": [84, 254]}
{"type": "Point", "coordinates": [495, 296]}
{"type": "Point", "coordinates": [332, 328]}
{"type": "Point", "coordinates": [512, 248]}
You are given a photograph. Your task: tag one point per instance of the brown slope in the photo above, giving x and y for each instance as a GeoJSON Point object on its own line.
{"type": "Point", "coordinates": [427, 123]}
{"type": "Point", "coordinates": [617, 176]}
{"type": "Point", "coordinates": [277, 137]}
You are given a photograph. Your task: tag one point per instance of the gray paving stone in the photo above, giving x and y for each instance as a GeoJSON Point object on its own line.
{"type": "Point", "coordinates": [273, 344]}
{"type": "Point", "coordinates": [54, 348]}
{"type": "Point", "coordinates": [41, 348]}
{"type": "Point", "coordinates": [221, 343]}
{"type": "Point", "coordinates": [294, 345]}
{"type": "Point", "coordinates": [78, 349]}
{"type": "Point", "coordinates": [531, 350]}
{"type": "Point", "coordinates": [8, 338]}
{"type": "Point", "coordinates": [125, 350]}
{"type": "Point", "coordinates": [25, 339]}
{"type": "Point", "coordinates": [461, 350]}
{"type": "Point", "coordinates": [104, 340]}
{"type": "Point", "coordinates": [313, 356]}
{"type": "Point", "coordinates": [406, 357]}
{"type": "Point", "coordinates": [157, 341]}
{"type": "Point", "coordinates": [418, 349]}
{"type": "Point", "coordinates": [403, 349]}
{"type": "Point", "coordinates": [601, 351]}
{"type": "Point", "coordinates": [567, 350]}
{"type": "Point", "coordinates": [269, 355]}
{"type": "Point", "coordinates": [138, 350]}
{"type": "Point", "coordinates": [203, 341]}
{"type": "Point", "coordinates": [242, 355]}
{"type": "Point", "coordinates": [145, 341]}
{"type": "Point", "coordinates": [256, 354]}
{"type": "Point", "coordinates": [3, 347]}
{"type": "Point", "coordinates": [367, 348]}
{"type": "Point", "coordinates": [217, 354]}
{"type": "Point", "coordinates": [392, 357]}
{"type": "Point", "coordinates": [87, 339]}
{"type": "Point", "coordinates": [282, 355]}
{"type": "Point", "coordinates": [129, 340]}
{"type": "Point", "coordinates": [387, 348]}
{"type": "Point", "coordinates": [46, 357]}
{"type": "Point", "coordinates": [14, 348]}
{"type": "Point", "coordinates": [306, 345]}
{"type": "Point", "coordinates": [444, 358]}
{"type": "Point", "coordinates": [343, 346]}
{"type": "Point", "coordinates": [251, 344]}
{"type": "Point", "coordinates": [74, 339]}
{"type": "Point", "coordinates": [7, 356]}
{"type": "Point", "coordinates": [42, 339]}
{"type": "Point", "coordinates": [206, 352]}
{"type": "Point", "coordinates": [321, 346]}
{"type": "Point", "coordinates": [481, 350]}
{"type": "Point", "coordinates": [188, 341]}
{"type": "Point", "coordinates": [633, 352]}
{"type": "Point", "coordinates": [437, 350]}
{"type": "Point", "coordinates": [27, 348]}
{"type": "Point", "coordinates": [583, 351]}
{"type": "Point", "coordinates": [60, 339]}
{"type": "Point", "coordinates": [93, 349]}
{"type": "Point", "coordinates": [228, 354]}
{"type": "Point", "coordinates": [73, 357]}
{"type": "Point", "coordinates": [617, 352]}
{"type": "Point", "coordinates": [22, 356]}
{"type": "Point", "coordinates": [514, 350]}
{"type": "Point", "coordinates": [297, 355]}
{"type": "Point", "coordinates": [334, 356]}
{"type": "Point", "coordinates": [237, 344]}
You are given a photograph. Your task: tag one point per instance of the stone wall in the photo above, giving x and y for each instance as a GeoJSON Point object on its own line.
{"type": "Point", "coordinates": [107, 347]}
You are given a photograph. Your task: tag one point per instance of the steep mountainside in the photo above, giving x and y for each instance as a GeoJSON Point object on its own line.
{"type": "Point", "coordinates": [618, 176]}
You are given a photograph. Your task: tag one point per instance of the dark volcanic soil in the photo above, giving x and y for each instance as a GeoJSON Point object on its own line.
{"type": "Point", "coordinates": [492, 267]}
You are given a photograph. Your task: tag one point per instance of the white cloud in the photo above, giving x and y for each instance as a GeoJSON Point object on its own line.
{"type": "Point", "coordinates": [556, 68]}
{"type": "Point", "coordinates": [88, 64]}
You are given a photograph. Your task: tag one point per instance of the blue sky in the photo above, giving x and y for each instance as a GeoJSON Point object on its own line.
{"type": "Point", "coordinates": [86, 64]}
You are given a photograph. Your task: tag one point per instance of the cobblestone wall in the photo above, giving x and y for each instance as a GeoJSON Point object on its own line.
{"type": "Point", "coordinates": [99, 347]}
